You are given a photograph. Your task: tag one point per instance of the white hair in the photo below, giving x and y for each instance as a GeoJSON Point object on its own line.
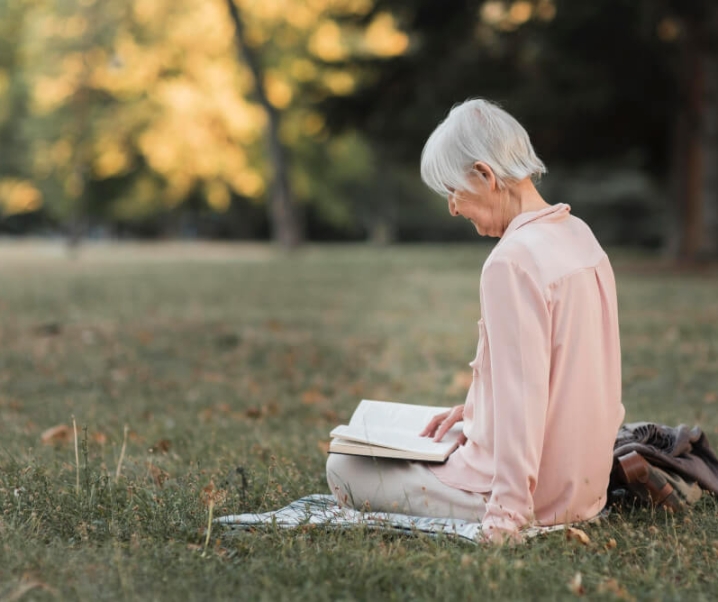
{"type": "Point", "coordinates": [477, 130]}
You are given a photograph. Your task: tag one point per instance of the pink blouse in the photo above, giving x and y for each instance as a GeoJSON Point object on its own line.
{"type": "Point", "coordinates": [544, 407]}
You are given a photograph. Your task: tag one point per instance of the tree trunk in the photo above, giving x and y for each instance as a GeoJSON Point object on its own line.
{"type": "Point", "coordinates": [287, 229]}
{"type": "Point", "coordinates": [695, 157]}
{"type": "Point", "coordinates": [709, 139]}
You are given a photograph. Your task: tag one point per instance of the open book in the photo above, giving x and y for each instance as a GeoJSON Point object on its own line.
{"type": "Point", "coordinates": [391, 430]}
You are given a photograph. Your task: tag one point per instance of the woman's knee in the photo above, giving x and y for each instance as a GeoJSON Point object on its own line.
{"type": "Point", "coordinates": [342, 471]}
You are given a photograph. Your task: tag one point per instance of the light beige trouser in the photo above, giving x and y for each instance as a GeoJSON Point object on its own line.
{"type": "Point", "coordinates": [386, 485]}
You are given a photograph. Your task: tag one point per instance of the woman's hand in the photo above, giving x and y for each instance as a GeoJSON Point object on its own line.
{"type": "Point", "coordinates": [441, 423]}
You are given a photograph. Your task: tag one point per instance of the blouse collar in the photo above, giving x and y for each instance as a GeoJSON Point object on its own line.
{"type": "Point", "coordinates": [551, 213]}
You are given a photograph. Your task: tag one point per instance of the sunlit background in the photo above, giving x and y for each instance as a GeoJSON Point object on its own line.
{"type": "Point", "coordinates": [298, 120]}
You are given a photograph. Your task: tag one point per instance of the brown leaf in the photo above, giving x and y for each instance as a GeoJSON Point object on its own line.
{"type": "Point", "coordinates": [274, 325]}
{"type": "Point", "coordinates": [611, 586]}
{"type": "Point", "coordinates": [323, 446]}
{"type": "Point", "coordinates": [161, 447]}
{"type": "Point", "coordinates": [313, 396]}
{"type": "Point", "coordinates": [57, 435]}
{"type": "Point", "coordinates": [99, 437]}
{"type": "Point", "coordinates": [144, 336]}
{"type": "Point", "coordinates": [158, 475]}
{"type": "Point", "coordinates": [253, 412]}
{"type": "Point", "coordinates": [576, 585]}
{"type": "Point", "coordinates": [573, 534]}
{"type": "Point", "coordinates": [213, 377]}
{"type": "Point", "coordinates": [330, 416]}
{"type": "Point", "coordinates": [611, 544]}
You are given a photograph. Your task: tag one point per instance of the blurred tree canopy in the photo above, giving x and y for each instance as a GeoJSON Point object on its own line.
{"type": "Point", "coordinates": [306, 118]}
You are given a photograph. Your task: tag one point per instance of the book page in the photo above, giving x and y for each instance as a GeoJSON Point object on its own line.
{"type": "Point", "coordinates": [397, 426]}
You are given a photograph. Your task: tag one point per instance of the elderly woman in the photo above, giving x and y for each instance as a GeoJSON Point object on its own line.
{"type": "Point", "coordinates": [544, 407]}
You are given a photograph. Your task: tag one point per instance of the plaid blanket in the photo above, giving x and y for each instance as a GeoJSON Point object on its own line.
{"type": "Point", "coordinates": [322, 510]}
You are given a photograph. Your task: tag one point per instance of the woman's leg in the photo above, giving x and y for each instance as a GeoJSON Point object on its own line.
{"type": "Point", "coordinates": [385, 485]}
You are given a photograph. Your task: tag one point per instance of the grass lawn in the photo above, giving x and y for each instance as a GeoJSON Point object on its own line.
{"type": "Point", "coordinates": [218, 357]}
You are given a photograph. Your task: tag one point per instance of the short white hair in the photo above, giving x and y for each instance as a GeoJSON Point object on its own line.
{"type": "Point", "coordinates": [477, 130]}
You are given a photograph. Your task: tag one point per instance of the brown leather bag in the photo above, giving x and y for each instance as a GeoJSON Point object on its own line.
{"type": "Point", "coordinates": [646, 482]}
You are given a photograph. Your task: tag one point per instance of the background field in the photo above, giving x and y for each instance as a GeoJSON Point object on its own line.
{"type": "Point", "coordinates": [218, 357]}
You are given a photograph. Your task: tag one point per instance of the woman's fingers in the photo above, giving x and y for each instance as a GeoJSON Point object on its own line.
{"type": "Point", "coordinates": [454, 416]}
{"type": "Point", "coordinates": [434, 423]}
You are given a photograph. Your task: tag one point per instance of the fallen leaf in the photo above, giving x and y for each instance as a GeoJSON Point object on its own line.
{"type": "Point", "coordinates": [57, 435]}
{"type": "Point", "coordinates": [99, 437]}
{"type": "Point", "coordinates": [162, 447]}
{"type": "Point", "coordinates": [323, 446]}
{"type": "Point", "coordinates": [274, 325]}
{"type": "Point", "coordinates": [213, 377]}
{"type": "Point", "coordinates": [253, 412]}
{"type": "Point", "coordinates": [158, 475]}
{"type": "Point", "coordinates": [710, 397]}
{"type": "Point", "coordinates": [330, 416]}
{"type": "Point", "coordinates": [49, 329]}
{"type": "Point", "coordinates": [144, 336]}
{"type": "Point", "coordinates": [573, 534]}
{"type": "Point", "coordinates": [576, 585]}
{"type": "Point", "coordinates": [611, 544]}
{"type": "Point", "coordinates": [611, 586]}
{"type": "Point", "coordinates": [312, 396]}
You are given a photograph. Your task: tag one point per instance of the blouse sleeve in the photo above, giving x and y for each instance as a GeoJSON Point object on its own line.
{"type": "Point", "coordinates": [518, 330]}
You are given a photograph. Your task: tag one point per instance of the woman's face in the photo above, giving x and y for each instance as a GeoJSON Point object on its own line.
{"type": "Point", "coordinates": [481, 204]}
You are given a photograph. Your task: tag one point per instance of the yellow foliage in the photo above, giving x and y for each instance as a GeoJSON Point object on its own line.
{"type": "Point", "coordinates": [205, 28]}
{"type": "Point", "coordinates": [302, 70]}
{"type": "Point", "coordinates": [383, 38]}
{"type": "Point", "coordinates": [73, 185]}
{"type": "Point", "coordinates": [493, 12]}
{"type": "Point", "coordinates": [49, 93]}
{"type": "Point", "coordinates": [4, 82]}
{"type": "Point", "coordinates": [18, 196]}
{"type": "Point", "coordinates": [267, 10]}
{"type": "Point", "coordinates": [159, 150]}
{"type": "Point", "coordinates": [326, 42]}
{"type": "Point", "coordinates": [110, 160]}
{"type": "Point", "coordinates": [279, 92]}
{"type": "Point", "coordinates": [313, 123]}
{"type": "Point", "coordinates": [73, 64]}
{"type": "Point", "coordinates": [339, 82]}
{"type": "Point", "coordinates": [74, 27]}
{"type": "Point", "coordinates": [351, 7]}
{"type": "Point", "coordinates": [217, 195]}
{"type": "Point", "coordinates": [299, 15]}
{"type": "Point", "coordinates": [546, 10]}
{"type": "Point", "coordinates": [178, 95]}
{"type": "Point", "coordinates": [520, 12]}
{"type": "Point", "coordinates": [61, 153]}
{"type": "Point", "coordinates": [146, 12]}
{"type": "Point", "coordinates": [248, 182]}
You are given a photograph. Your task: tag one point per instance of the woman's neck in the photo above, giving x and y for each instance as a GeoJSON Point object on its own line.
{"type": "Point", "coordinates": [523, 197]}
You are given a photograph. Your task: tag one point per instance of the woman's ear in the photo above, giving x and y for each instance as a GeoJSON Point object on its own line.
{"type": "Point", "coordinates": [485, 172]}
